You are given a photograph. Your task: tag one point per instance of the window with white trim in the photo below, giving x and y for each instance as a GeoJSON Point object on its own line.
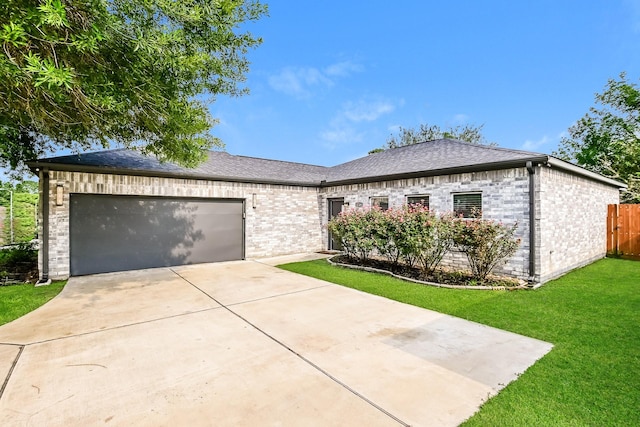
{"type": "Point", "coordinates": [381, 202]}
{"type": "Point", "coordinates": [467, 205]}
{"type": "Point", "coordinates": [416, 199]}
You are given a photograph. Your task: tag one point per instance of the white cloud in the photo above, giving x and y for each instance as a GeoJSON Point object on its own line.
{"type": "Point", "coordinates": [366, 111]}
{"type": "Point", "coordinates": [545, 141]}
{"type": "Point", "coordinates": [339, 135]}
{"type": "Point", "coordinates": [343, 69]}
{"type": "Point", "coordinates": [343, 127]}
{"type": "Point", "coordinates": [535, 145]}
{"type": "Point", "coordinates": [299, 81]}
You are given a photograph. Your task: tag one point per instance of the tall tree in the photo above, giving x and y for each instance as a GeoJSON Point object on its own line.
{"type": "Point", "coordinates": [607, 139]}
{"type": "Point", "coordinates": [425, 132]}
{"type": "Point", "coordinates": [83, 73]}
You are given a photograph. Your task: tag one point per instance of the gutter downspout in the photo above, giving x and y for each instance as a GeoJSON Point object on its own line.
{"type": "Point", "coordinates": [532, 222]}
{"type": "Point", "coordinates": [44, 179]}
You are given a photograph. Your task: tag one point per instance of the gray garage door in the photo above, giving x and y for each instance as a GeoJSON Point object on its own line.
{"type": "Point", "coordinates": [117, 233]}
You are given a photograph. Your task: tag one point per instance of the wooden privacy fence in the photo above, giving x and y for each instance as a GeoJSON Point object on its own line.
{"type": "Point", "coordinates": [623, 231]}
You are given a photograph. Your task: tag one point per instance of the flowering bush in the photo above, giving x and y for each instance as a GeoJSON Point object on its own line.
{"type": "Point", "coordinates": [411, 233]}
{"type": "Point", "coordinates": [355, 230]}
{"type": "Point", "coordinates": [385, 234]}
{"type": "Point", "coordinates": [416, 235]}
{"type": "Point", "coordinates": [486, 243]}
{"type": "Point", "coordinates": [436, 239]}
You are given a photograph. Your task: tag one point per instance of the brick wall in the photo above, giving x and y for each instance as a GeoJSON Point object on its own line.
{"type": "Point", "coordinates": [284, 221]}
{"type": "Point", "coordinates": [572, 221]}
{"type": "Point", "coordinates": [570, 217]}
{"type": "Point", "coordinates": [505, 197]}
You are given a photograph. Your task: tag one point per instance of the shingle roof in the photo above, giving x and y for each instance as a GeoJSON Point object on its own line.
{"type": "Point", "coordinates": [428, 158]}
{"type": "Point", "coordinates": [219, 165]}
{"type": "Point", "coordinates": [443, 156]}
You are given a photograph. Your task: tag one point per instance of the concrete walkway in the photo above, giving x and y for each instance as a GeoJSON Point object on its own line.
{"type": "Point", "coordinates": [244, 343]}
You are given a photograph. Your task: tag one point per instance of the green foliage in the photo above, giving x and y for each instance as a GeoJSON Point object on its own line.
{"type": "Point", "coordinates": [19, 263]}
{"type": "Point", "coordinates": [420, 235]}
{"type": "Point", "coordinates": [410, 136]}
{"type": "Point", "coordinates": [30, 187]}
{"type": "Point", "coordinates": [417, 235]}
{"type": "Point", "coordinates": [384, 231]}
{"type": "Point", "coordinates": [84, 73]}
{"type": "Point", "coordinates": [20, 254]}
{"type": "Point", "coordinates": [24, 217]}
{"type": "Point", "coordinates": [355, 230]}
{"type": "Point", "coordinates": [23, 208]}
{"type": "Point", "coordinates": [486, 243]}
{"type": "Point", "coordinates": [434, 246]}
{"type": "Point", "coordinates": [590, 378]}
{"type": "Point", "coordinates": [607, 139]}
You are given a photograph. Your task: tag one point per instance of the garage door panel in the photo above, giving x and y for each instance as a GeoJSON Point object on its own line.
{"type": "Point", "coordinates": [116, 233]}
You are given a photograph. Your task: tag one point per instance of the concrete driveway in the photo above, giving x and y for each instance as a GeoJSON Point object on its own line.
{"type": "Point", "coordinates": [244, 343]}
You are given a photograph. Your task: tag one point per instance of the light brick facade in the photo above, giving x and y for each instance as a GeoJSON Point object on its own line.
{"type": "Point", "coordinates": [570, 215]}
{"type": "Point", "coordinates": [505, 197]}
{"type": "Point", "coordinates": [571, 212]}
{"type": "Point", "coordinates": [285, 220]}
{"type": "Point", "coordinates": [572, 221]}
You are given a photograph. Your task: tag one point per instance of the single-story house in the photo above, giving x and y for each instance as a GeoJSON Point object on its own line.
{"type": "Point", "coordinates": [120, 210]}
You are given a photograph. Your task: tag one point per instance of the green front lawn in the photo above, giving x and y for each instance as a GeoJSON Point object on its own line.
{"type": "Point", "coordinates": [591, 315]}
{"type": "Point", "coordinates": [18, 300]}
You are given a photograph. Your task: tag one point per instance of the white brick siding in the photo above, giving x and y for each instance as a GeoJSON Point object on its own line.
{"type": "Point", "coordinates": [284, 221]}
{"type": "Point", "coordinates": [572, 221]}
{"type": "Point", "coordinates": [570, 218]}
{"type": "Point", "coordinates": [505, 197]}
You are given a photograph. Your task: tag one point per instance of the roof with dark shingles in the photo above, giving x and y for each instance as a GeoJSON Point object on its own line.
{"type": "Point", "coordinates": [430, 156]}
{"type": "Point", "coordinates": [218, 165]}
{"type": "Point", "coordinates": [424, 158]}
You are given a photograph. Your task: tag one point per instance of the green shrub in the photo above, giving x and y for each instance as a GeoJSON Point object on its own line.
{"type": "Point", "coordinates": [19, 263]}
{"type": "Point", "coordinates": [486, 243]}
{"type": "Point", "coordinates": [416, 235]}
{"type": "Point", "coordinates": [412, 233]}
{"type": "Point", "coordinates": [384, 231]}
{"type": "Point", "coordinates": [354, 229]}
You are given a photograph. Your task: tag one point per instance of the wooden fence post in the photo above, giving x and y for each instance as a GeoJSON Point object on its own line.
{"type": "Point", "coordinates": [612, 229]}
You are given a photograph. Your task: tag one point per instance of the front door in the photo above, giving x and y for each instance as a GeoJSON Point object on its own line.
{"type": "Point", "coordinates": [335, 207]}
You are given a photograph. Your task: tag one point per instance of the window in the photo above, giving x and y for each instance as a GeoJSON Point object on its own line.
{"type": "Point", "coordinates": [418, 200]}
{"type": "Point", "coordinates": [381, 202]}
{"type": "Point", "coordinates": [467, 205]}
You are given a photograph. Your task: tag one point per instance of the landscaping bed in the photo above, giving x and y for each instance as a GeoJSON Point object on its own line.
{"type": "Point", "coordinates": [442, 277]}
{"type": "Point", "coordinates": [411, 241]}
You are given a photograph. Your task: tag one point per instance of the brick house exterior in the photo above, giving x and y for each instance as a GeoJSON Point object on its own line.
{"type": "Point", "coordinates": [269, 231]}
{"type": "Point", "coordinates": [286, 205]}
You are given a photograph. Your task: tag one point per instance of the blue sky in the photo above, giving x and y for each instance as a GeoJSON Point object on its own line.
{"type": "Point", "coordinates": [334, 79]}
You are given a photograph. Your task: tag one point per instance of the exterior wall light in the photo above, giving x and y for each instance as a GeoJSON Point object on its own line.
{"type": "Point", "coordinates": [254, 200]}
{"type": "Point", "coordinates": [59, 194]}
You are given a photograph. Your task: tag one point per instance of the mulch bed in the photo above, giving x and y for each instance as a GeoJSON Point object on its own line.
{"type": "Point", "coordinates": [441, 277]}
